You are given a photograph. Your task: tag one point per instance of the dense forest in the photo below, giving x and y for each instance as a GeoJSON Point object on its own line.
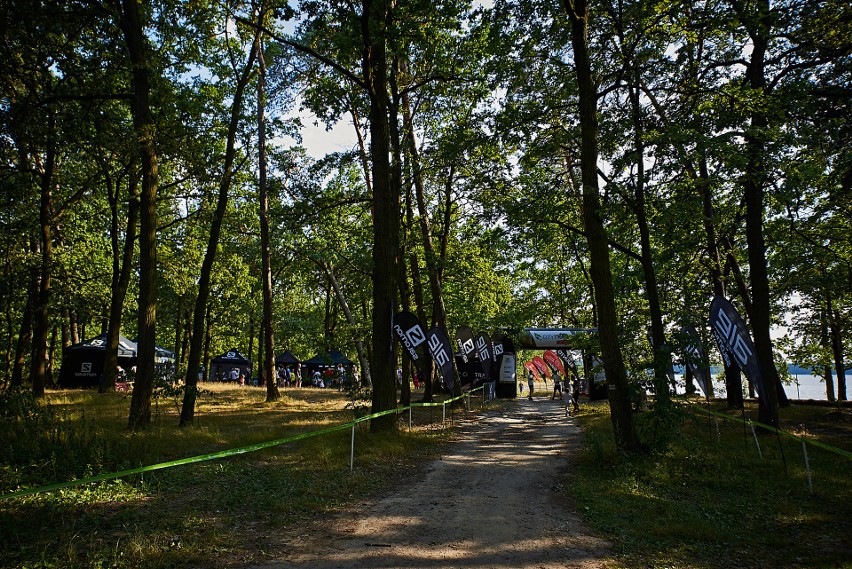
{"type": "Point", "coordinates": [591, 163]}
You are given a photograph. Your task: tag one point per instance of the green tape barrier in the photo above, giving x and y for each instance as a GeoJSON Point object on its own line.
{"type": "Point", "coordinates": [220, 454]}
{"type": "Point", "coordinates": [770, 428]}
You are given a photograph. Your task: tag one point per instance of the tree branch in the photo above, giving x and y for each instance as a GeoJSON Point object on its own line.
{"type": "Point", "coordinates": [306, 50]}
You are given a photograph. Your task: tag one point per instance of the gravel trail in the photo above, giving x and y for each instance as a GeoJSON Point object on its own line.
{"type": "Point", "coordinates": [494, 500]}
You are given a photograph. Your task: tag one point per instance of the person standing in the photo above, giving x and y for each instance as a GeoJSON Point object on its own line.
{"type": "Point", "coordinates": [575, 393]}
{"type": "Point", "coordinates": [530, 383]}
{"type": "Point", "coordinates": [557, 385]}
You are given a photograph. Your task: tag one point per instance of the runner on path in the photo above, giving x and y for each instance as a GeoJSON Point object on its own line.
{"type": "Point", "coordinates": [494, 500]}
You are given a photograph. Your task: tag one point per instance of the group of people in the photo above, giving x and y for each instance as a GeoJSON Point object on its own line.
{"type": "Point", "coordinates": [330, 377]}
{"type": "Point", "coordinates": [236, 376]}
{"type": "Point", "coordinates": [571, 396]}
{"type": "Point", "coordinates": [290, 378]}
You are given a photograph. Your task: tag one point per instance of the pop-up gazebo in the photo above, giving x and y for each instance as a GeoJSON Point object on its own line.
{"type": "Point", "coordinates": [326, 361]}
{"type": "Point", "coordinates": [83, 363]}
{"type": "Point", "coordinates": [221, 366]}
{"type": "Point", "coordinates": [287, 359]}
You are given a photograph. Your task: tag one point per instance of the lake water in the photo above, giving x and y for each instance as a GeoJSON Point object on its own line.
{"type": "Point", "coordinates": [804, 386]}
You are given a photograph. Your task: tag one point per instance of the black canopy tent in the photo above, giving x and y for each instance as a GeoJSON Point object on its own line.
{"type": "Point", "coordinates": [83, 363]}
{"type": "Point", "coordinates": [328, 360]}
{"type": "Point", "coordinates": [287, 359]}
{"type": "Point", "coordinates": [221, 366]}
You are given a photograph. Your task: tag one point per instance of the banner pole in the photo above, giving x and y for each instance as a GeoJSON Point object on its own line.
{"type": "Point", "coordinates": [409, 419]}
{"type": "Point", "coordinates": [756, 442]}
{"type": "Point", "coordinates": [444, 415]}
{"type": "Point", "coordinates": [352, 451]}
{"type": "Point", "coordinates": [807, 467]}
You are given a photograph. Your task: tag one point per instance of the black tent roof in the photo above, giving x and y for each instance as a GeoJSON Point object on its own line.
{"type": "Point", "coordinates": [231, 357]}
{"type": "Point", "coordinates": [333, 357]}
{"type": "Point", "coordinates": [126, 348]}
{"type": "Point", "coordinates": [161, 354]}
{"type": "Point", "coordinates": [285, 358]}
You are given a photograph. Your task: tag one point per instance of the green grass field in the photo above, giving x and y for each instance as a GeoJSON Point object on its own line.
{"type": "Point", "coordinates": [219, 513]}
{"type": "Point", "coordinates": [709, 500]}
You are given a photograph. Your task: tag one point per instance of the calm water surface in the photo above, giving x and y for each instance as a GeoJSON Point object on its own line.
{"type": "Point", "coordinates": [803, 387]}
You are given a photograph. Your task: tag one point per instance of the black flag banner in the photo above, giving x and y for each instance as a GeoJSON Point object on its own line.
{"type": "Point", "coordinates": [442, 353]}
{"type": "Point", "coordinates": [695, 359]}
{"type": "Point", "coordinates": [466, 343]}
{"type": "Point", "coordinates": [497, 351]}
{"type": "Point", "coordinates": [410, 334]}
{"type": "Point", "coordinates": [734, 342]}
{"type": "Point", "coordinates": [504, 365]}
{"type": "Point", "coordinates": [483, 351]}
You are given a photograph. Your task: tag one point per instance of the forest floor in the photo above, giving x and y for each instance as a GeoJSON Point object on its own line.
{"type": "Point", "coordinates": [494, 499]}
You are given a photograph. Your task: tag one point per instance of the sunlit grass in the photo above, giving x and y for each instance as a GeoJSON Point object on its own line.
{"type": "Point", "coordinates": [710, 500]}
{"type": "Point", "coordinates": [211, 514]}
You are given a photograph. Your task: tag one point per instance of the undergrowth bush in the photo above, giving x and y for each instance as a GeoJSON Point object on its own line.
{"type": "Point", "coordinates": [41, 444]}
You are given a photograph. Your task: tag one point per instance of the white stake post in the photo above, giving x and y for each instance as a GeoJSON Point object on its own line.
{"type": "Point", "coordinates": [808, 467]}
{"type": "Point", "coordinates": [754, 434]}
{"type": "Point", "coordinates": [352, 451]}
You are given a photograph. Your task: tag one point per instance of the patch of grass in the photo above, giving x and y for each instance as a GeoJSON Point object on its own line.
{"type": "Point", "coordinates": [213, 514]}
{"type": "Point", "coordinates": [710, 500]}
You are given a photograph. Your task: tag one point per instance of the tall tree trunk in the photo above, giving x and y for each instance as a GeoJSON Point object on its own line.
{"type": "Point", "coordinates": [445, 229]}
{"type": "Point", "coordinates": [404, 304]}
{"type": "Point", "coordinates": [260, 357]}
{"type": "Point", "coordinates": [250, 351]}
{"type": "Point", "coordinates": [662, 356]}
{"type": "Point", "coordinates": [733, 377]}
{"type": "Point", "coordinates": [374, 22]}
{"type": "Point", "coordinates": [65, 314]}
{"type": "Point", "coordinates": [74, 326]}
{"type": "Point", "coordinates": [616, 374]}
{"type": "Point", "coordinates": [414, 268]}
{"type": "Point", "coordinates": [272, 393]}
{"type": "Point", "coordinates": [179, 331]}
{"type": "Point", "coordinates": [825, 343]}
{"type": "Point", "coordinates": [187, 412]}
{"type": "Point", "coordinates": [837, 349]}
{"type": "Point", "coordinates": [432, 263]}
{"type": "Point", "coordinates": [51, 356]}
{"type": "Point", "coordinates": [41, 315]}
{"type": "Point", "coordinates": [208, 337]}
{"type": "Point", "coordinates": [754, 182]}
{"type": "Point", "coordinates": [122, 265]}
{"type": "Point", "coordinates": [146, 135]}
{"type": "Point", "coordinates": [22, 346]}
{"type": "Point", "coordinates": [9, 321]}
{"type": "Point", "coordinates": [396, 184]}
{"type": "Point", "coordinates": [187, 332]}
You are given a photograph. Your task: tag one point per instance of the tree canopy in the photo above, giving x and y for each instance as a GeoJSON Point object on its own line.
{"type": "Point", "coordinates": [588, 163]}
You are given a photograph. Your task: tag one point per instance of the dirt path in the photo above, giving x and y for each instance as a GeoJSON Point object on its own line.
{"type": "Point", "coordinates": [491, 501]}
